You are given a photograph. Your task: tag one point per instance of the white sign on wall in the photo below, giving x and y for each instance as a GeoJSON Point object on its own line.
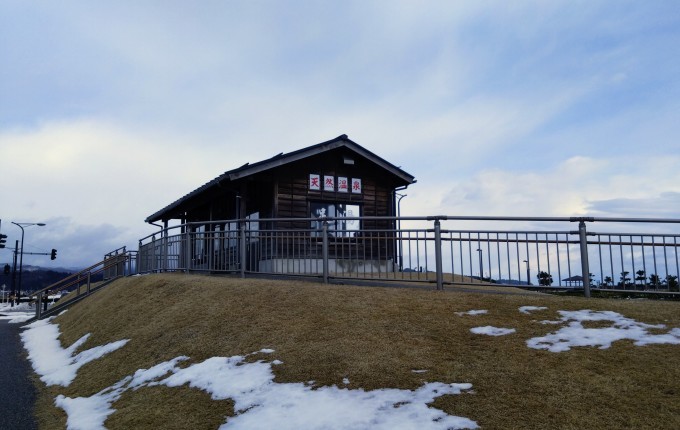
{"type": "Point", "coordinates": [315, 182]}
{"type": "Point", "coordinates": [356, 185]}
{"type": "Point", "coordinates": [329, 183]}
{"type": "Point", "coordinates": [344, 184]}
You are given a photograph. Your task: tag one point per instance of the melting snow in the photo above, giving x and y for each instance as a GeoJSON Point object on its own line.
{"type": "Point", "coordinates": [529, 309]}
{"type": "Point", "coordinates": [575, 334]}
{"type": "Point", "coordinates": [473, 312]}
{"type": "Point", "coordinates": [90, 413]}
{"type": "Point", "coordinates": [54, 364]}
{"type": "Point", "coordinates": [16, 314]}
{"type": "Point", "coordinates": [492, 331]}
{"type": "Point", "coordinates": [258, 400]}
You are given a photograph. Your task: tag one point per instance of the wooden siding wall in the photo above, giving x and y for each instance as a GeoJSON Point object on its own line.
{"type": "Point", "coordinates": [292, 195]}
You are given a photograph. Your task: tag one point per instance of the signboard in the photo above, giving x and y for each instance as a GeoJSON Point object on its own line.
{"type": "Point", "coordinates": [315, 182]}
{"type": "Point", "coordinates": [356, 186]}
{"type": "Point", "coordinates": [329, 183]}
{"type": "Point", "coordinates": [344, 184]}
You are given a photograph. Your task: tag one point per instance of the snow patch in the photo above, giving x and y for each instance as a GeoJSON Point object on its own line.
{"type": "Point", "coordinates": [492, 331]}
{"type": "Point", "coordinates": [16, 314]}
{"type": "Point", "coordinates": [575, 334]}
{"type": "Point", "coordinates": [529, 309]}
{"type": "Point", "coordinates": [259, 400]}
{"type": "Point", "coordinates": [17, 317]}
{"type": "Point", "coordinates": [472, 312]}
{"type": "Point", "coordinates": [90, 413]}
{"type": "Point", "coordinates": [54, 364]}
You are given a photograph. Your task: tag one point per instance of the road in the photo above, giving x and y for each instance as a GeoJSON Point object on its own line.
{"type": "Point", "coordinates": [17, 393]}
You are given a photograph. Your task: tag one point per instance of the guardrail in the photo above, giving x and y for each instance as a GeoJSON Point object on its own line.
{"type": "Point", "coordinates": [79, 285]}
{"type": "Point", "coordinates": [121, 263]}
{"type": "Point", "coordinates": [426, 249]}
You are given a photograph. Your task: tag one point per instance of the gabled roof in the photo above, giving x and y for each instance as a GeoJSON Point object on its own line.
{"type": "Point", "coordinates": [283, 159]}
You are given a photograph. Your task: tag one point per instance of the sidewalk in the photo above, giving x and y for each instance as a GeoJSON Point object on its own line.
{"type": "Point", "coordinates": [17, 393]}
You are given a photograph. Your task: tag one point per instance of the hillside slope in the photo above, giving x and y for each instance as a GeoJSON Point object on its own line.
{"type": "Point", "coordinates": [371, 338]}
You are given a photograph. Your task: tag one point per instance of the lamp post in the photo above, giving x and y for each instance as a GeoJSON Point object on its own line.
{"type": "Point", "coordinates": [21, 225]}
{"type": "Point", "coordinates": [528, 273]}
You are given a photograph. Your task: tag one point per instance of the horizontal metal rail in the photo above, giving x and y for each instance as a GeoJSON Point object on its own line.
{"type": "Point", "coordinates": [114, 265]}
{"type": "Point", "coordinates": [423, 249]}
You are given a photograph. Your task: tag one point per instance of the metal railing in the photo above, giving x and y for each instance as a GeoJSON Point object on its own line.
{"type": "Point", "coordinates": [426, 249]}
{"type": "Point", "coordinates": [120, 262]}
{"type": "Point", "coordinates": [79, 285]}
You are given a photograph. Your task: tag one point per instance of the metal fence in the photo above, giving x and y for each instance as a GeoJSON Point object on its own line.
{"type": "Point", "coordinates": [556, 253]}
{"type": "Point", "coordinates": [119, 262]}
{"type": "Point", "coordinates": [78, 285]}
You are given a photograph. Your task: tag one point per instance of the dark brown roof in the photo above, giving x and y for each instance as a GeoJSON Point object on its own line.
{"type": "Point", "coordinates": [282, 159]}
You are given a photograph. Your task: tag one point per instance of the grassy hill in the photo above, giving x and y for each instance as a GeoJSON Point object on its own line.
{"type": "Point", "coordinates": [375, 337]}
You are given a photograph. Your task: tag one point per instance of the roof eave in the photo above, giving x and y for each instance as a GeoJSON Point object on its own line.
{"type": "Point", "coordinates": [281, 160]}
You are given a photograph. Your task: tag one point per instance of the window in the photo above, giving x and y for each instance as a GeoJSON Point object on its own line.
{"type": "Point", "coordinates": [336, 227]}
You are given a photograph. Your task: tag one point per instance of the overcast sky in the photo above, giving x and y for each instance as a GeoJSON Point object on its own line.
{"type": "Point", "coordinates": [111, 110]}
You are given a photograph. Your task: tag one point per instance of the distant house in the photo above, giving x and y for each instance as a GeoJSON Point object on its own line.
{"type": "Point", "coordinates": [337, 179]}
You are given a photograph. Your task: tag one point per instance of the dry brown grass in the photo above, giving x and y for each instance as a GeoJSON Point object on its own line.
{"type": "Point", "coordinates": [375, 337]}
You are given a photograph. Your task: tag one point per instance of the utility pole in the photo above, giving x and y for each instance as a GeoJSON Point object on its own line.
{"type": "Point", "coordinates": [14, 272]}
{"type": "Point", "coordinates": [21, 225]}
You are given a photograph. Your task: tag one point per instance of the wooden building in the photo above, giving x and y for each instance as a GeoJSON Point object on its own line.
{"type": "Point", "coordinates": [335, 179]}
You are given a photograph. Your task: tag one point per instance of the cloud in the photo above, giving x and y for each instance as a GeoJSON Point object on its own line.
{"type": "Point", "coordinates": [78, 244]}
{"type": "Point", "coordinates": [577, 186]}
{"type": "Point", "coordinates": [112, 111]}
{"type": "Point", "coordinates": [665, 205]}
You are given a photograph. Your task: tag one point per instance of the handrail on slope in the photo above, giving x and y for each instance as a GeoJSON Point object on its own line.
{"type": "Point", "coordinates": [112, 266]}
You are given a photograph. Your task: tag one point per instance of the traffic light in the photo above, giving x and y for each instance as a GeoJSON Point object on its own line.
{"type": "Point", "coordinates": [3, 239]}
{"type": "Point", "coordinates": [53, 255]}
{"type": "Point", "coordinates": [7, 269]}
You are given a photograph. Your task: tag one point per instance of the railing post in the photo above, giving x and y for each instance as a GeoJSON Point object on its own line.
{"type": "Point", "coordinates": [242, 246]}
{"type": "Point", "coordinates": [139, 267]}
{"type": "Point", "coordinates": [88, 282]}
{"type": "Point", "coordinates": [209, 242]}
{"type": "Point", "coordinates": [154, 264]}
{"type": "Point", "coordinates": [38, 306]}
{"type": "Point", "coordinates": [164, 250]}
{"type": "Point", "coordinates": [120, 263]}
{"type": "Point", "coordinates": [438, 254]}
{"type": "Point", "coordinates": [585, 270]}
{"type": "Point", "coordinates": [324, 250]}
{"type": "Point", "coordinates": [187, 249]}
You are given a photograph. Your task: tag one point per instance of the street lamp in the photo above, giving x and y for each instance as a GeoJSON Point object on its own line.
{"type": "Point", "coordinates": [528, 273]}
{"type": "Point", "coordinates": [21, 225]}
